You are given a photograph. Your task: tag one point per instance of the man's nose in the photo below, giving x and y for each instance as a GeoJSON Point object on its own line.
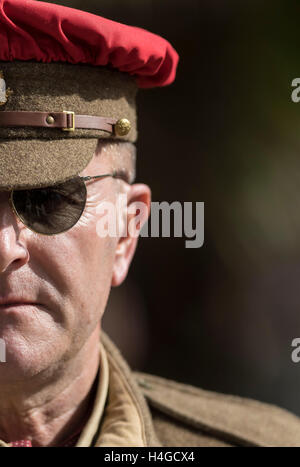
{"type": "Point", "coordinates": [12, 251]}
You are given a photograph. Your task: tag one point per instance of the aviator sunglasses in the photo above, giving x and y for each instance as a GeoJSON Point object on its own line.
{"type": "Point", "coordinates": [53, 209]}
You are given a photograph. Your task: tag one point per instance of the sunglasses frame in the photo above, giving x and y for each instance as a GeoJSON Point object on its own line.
{"type": "Point", "coordinates": [84, 179]}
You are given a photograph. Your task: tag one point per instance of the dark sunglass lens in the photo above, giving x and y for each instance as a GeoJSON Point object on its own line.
{"type": "Point", "coordinates": [51, 210]}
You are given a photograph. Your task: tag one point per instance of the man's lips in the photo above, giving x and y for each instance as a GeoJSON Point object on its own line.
{"type": "Point", "coordinates": [22, 308]}
{"type": "Point", "coordinates": [17, 302]}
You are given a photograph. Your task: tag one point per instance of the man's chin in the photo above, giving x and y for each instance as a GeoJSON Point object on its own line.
{"type": "Point", "coordinates": [23, 359]}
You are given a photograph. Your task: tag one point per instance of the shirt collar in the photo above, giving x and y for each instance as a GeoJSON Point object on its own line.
{"type": "Point", "coordinates": [120, 416]}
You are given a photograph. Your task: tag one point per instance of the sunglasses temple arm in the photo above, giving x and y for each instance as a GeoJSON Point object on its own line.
{"type": "Point", "coordinates": [87, 178]}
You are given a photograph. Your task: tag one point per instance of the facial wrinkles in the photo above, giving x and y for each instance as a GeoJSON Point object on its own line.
{"type": "Point", "coordinates": [94, 199]}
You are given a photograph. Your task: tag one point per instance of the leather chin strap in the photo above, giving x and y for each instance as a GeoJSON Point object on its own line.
{"type": "Point", "coordinates": [66, 121]}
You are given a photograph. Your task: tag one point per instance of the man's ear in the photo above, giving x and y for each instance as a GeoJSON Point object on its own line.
{"type": "Point", "coordinates": [137, 213]}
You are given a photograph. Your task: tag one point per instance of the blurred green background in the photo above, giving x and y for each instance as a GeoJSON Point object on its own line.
{"type": "Point", "coordinates": [227, 133]}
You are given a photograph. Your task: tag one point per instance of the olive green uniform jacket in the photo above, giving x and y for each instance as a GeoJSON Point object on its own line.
{"type": "Point", "coordinates": [139, 409]}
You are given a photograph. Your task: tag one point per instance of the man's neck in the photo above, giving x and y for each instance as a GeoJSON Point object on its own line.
{"type": "Point", "coordinates": [47, 411]}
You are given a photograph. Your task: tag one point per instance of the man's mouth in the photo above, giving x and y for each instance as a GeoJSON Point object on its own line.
{"type": "Point", "coordinates": [16, 302]}
{"type": "Point", "coordinates": [4, 305]}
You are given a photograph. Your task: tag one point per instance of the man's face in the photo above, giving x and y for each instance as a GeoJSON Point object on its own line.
{"type": "Point", "coordinates": [69, 274]}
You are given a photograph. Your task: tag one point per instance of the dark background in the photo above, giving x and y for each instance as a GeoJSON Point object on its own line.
{"type": "Point", "coordinates": [227, 133]}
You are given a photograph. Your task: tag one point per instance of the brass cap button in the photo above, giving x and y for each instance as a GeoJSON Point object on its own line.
{"type": "Point", "coordinates": [122, 127]}
{"type": "Point", "coordinates": [50, 120]}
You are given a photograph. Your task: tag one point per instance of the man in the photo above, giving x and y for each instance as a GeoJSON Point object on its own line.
{"type": "Point", "coordinates": [67, 128]}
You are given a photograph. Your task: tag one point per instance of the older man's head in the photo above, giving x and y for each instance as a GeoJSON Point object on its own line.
{"type": "Point", "coordinates": [66, 277]}
{"type": "Point", "coordinates": [67, 94]}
